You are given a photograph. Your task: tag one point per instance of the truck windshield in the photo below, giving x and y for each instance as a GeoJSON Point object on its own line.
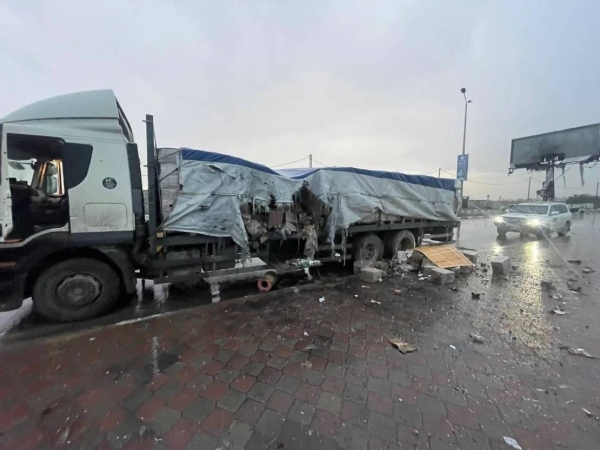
{"type": "Point", "coordinates": [530, 209]}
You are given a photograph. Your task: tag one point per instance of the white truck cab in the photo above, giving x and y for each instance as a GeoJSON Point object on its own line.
{"type": "Point", "coordinates": [537, 218]}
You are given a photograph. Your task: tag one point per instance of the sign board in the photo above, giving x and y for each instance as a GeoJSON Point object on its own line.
{"type": "Point", "coordinates": [578, 143]}
{"type": "Point", "coordinates": [462, 167]}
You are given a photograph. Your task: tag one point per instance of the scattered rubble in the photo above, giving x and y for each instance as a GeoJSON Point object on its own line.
{"type": "Point", "coordinates": [501, 265]}
{"type": "Point", "coordinates": [587, 412]}
{"type": "Point", "coordinates": [442, 276]}
{"type": "Point", "coordinates": [574, 261]}
{"type": "Point", "coordinates": [573, 287]}
{"type": "Point", "coordinates": [580, 352]}
{"type": "Point", "coordinates": [360, 265]}
{"type": "Point", "coordinates": [476, 295]}
{"type": "Point", "coordinates": [547, 285]}
{"type": "Point", "coordinates": [398, 292]}
{"type": "Point", "coordinates": [476, 338]}
{"type": "Point", "coordinates": [513, 443]}
{"type": "Point", "coordinates": [402, 346]}
{"type": "Point", "coordinates": [471, 255]}
{"type": "Point", "coordinates": [587, 270]}
{"type": "Point", "coordinates": [558, 311]}
{"type": "Point", "coordinates": [321, 299]}
{"type": "Point", "coordinates": [375, 301]}
{"type": "Point", "coordinates": [306, 364]}
{"type": "Point", "coordinates": [371, 275]}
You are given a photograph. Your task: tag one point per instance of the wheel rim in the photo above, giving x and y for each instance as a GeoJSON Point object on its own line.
{"type": "Point", "coordinates": [368, 252]}
{"type": "Point", "coordinates": [405, 244]}
{"type": "Point", "coordinates": [78, 290]}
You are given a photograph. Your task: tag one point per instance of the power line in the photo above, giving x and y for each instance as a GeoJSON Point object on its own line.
{"type": "Point", "coordinates": [291, 162]}
{"type": "Point", "coordinates": [324, 165]}
{"type": "Point", "coordinates": [490, 184]}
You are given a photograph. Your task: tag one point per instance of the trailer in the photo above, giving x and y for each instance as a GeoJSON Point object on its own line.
{"type": "Point", "coordinates": [77, 233]}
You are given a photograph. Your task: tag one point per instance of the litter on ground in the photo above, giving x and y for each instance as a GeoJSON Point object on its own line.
{"type": "Point", "coordinates": [402, 346]}
{"type": "Point", "coordinates": [514, 444]}
{"type": "Point", "coordinates": [321, 300]}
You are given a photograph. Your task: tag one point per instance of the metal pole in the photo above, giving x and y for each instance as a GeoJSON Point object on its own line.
{"type": "Point", "coordinates": [597, 186]}
{"type": "Point", "coordinates": [440, 176]}
{"type": "Point", "coordinates": [310, 161]}
{"type": "Point", "coordinates": [529, 189]}
{"type": "Point", "coordinates": [152, 188]}
{"type": "Point", "coordinates": [462, 183]}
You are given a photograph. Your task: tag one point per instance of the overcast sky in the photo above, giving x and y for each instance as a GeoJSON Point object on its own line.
{"type": "Point", "coordinates": [370, 84]}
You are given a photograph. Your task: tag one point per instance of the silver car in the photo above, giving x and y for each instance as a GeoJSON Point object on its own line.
{"type": "Point", "coordinates": [535, 218]}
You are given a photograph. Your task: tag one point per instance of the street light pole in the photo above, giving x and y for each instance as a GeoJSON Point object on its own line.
{"type": "Point", "coordinates": [462, 183]}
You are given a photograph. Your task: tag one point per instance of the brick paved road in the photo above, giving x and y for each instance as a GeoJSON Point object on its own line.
{"type": "Point", "coordinates": [289, 372]}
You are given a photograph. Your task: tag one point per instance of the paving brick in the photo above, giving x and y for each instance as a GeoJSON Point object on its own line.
{"type": "Point", "coordinates": [232, 400]}
{"type": "Point", "coordinates": [137, 398]}
{"type": "Point", "coordinates": [288, 384]}
{"type": "Point", "coordinates": [338, 346]}
{"type": "Point", "coordinates": [451, 395]}
{"type": "Point", "coordinates": [293, 369]}
{"type": "Point", "coordinates": [355, 376]}
{"type": "Point", "coordinates": [335, 370]}
{"type": "Point", "coordinates": [430, 405]}
{"type": "Point", "coordinates": [254, 368]}
{"type": "Point", "coordinates": [260, 392]}
{"type": "Point", "coordinates": [216, 422]}
{"type": "Point", "coordinates": [313, 376]}
{"type": "Point", "coordinates": [317, 362]}
{"type": "Point", "coordinates": [238, 435]}
{"type": "Point", "coordinates": [227, 375]}
{"type": "Point", "coordinates": [352, 437]}
{"type": "Point", "coordinates": [250, 411]}
{"type": "Point", "coordinates": [378, 370]}
{"type": "Point", "coordinates": [280, 401]}
{"type": "Point", "coordinates": [438, 427]}
{"type": "Point", "coordinates": [165, 419]}
{"type": "Point", "coordinates": [401, 377]}
{"type": "Point", "coordinates": [382, 426]}
{"type": "Point", "coordinates": [199, 409]}
{"type": "Point", "coordinates": [301, 412]}
{"type": "Point", "coordinates": [472, 440]}
{"type": "Point", "coordinates": [213, 368]}
{"type": "Point", "coordinates": [380, 404]}
{"type": "Point", "coordinates": [329, 402]}
{"type": "Point", "coordinates": [408, 415]}
{"type": "Point", "coordinates": [277, 362]}
{"type": "Point", "coordinates": [308, 393]}
{"type": "Point", "coordinates": [168, 390]}
{"type": "Point", "coordinates": [270, 423]}
{"type": "Point", "coordinates": [378, 385]}
{"type": "Point", "coordinates": [284, 351]}
{"type": "Point", "coordinates": [461, 415]}
{"type": "Point", "coordinates": [214, 390]}
{"type": "Point", "coordinates": [180, 434]}
{"type": "Point", "coordinates": [150, 409]}
{"type": "Point", "coordinates": [269, 375]}
{"type": "Point", "coordinates": [299, 356]}
{"type": "Point", "coordinates": [183, 399]}
{"type": "Point", "coordinates": [238, 361]}
{"type": "Point", "coordinates": [248, 350]}
{"type": "Point", "coordinates": [437, 444]}
{"type": "Point", "coordinates": [202, 440]}
{"type": "Point", "coordinates": [326, 424]}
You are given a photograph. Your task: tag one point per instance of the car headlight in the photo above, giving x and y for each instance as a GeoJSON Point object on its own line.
{"type": "Point", "coordinates": [499, 219]}
{"type": "Point", "coordinates": [534, 222]}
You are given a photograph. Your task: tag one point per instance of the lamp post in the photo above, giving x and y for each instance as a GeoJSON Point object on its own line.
{"type": "Point", "coordinates": [462, 183]}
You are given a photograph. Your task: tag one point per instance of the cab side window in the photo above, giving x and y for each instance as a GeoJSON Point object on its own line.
{"type": "Point", "coordinates": [563, 209]}
{"type": "Point", "coordinates": [554, 209]}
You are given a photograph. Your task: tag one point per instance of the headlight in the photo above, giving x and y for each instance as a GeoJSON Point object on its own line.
{"type": "Point", "coordinates": [499, 219]}
{"type": "Point", "coordinates": [534, 222]}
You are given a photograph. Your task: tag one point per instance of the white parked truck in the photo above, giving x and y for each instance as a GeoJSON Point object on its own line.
{"type": "Point", "coordinates": [76, 234]}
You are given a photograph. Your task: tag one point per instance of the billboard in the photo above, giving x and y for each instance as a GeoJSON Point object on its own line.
{"type": "Point", "coordinates": [572, 144]}
{"type": "Point", "coordinates": [462, 167]}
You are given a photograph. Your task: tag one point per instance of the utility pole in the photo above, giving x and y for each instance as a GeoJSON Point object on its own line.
{"type": "Point", "coordinates": [462, 183]}
{"type": "Point", "coordinates": [440, 176]}
{"type": "Point", "coordinates": [597, 186]}
{"type": "Point", "coordinates": [529, 189]}
{"type": "Point", "coordinates": [310, 161]}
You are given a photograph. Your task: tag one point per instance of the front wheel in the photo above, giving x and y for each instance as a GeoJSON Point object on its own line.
{"type": "Point", "coordinates": [76, 289]}
{"type": "Point", "coordinates": [501, 233]}
{"type": "Point", "coordinates": [565, 229]}
{"type": "Point", "coordinates": [368, 247]}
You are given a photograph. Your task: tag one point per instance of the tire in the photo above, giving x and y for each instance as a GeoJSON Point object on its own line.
{"type": "Point", "coordinates": [76, 289]}
{"type": "Point", "coordinates": [501, 233]}
{"type": "Point", "coordinates": [565, 230]}
{"type": "Point", "coordinates": [398, 240]}
{"type": "Point", "coordinates": [368, 247]}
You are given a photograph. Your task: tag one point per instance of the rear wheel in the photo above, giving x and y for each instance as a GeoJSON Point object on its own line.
{"type": "Point", "coordinates": [396, 241]}
{"type": "Point", "coordinates": [368, 247]}
{"type": "Point", "coordinates": [565, 229]}
{"type": "Point", "coordinates": [76, 289]}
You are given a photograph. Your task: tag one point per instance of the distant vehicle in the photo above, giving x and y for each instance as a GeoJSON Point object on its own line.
{"type": "Point", "coordinates": [540, 219]}
{"type": "Point", "coordinates": [579, 211]}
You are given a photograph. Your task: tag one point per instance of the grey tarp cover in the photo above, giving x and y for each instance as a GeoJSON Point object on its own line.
{"type": "Point", "coordinates": [215, 186]}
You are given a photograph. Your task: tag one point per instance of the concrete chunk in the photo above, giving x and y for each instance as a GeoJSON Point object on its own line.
{"type": "Point", "coordinates": [359, 265]}
{"type": "Point", "coordinates": [471, 255]}
{"type": "Point", "coordinates": [428, 269]}
{"type": "Point", "coordinates": [456, 270]}
{"type": "Point", "coordinates": [466, 270]}
{"type": "Point", "coordinates": [501, 265]}
{"type": "Point", "coordinates": [442, 276]}
{"type": "Point", "coordinates": [371, 275]}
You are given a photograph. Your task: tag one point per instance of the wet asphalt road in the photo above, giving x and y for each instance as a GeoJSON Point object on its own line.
{"type": "Point", "coordinates": [535, 260]}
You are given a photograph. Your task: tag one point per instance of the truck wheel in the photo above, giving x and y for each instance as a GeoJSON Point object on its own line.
{"type": "Point", "coordinates": [398, 240]}
{"type": "Point", "coordinates": [368, 248]}
{"type": "Point", "coordinates": [76, 289]}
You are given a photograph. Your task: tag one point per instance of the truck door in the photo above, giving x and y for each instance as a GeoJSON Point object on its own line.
{"type": "Point", "coordinates": [6, 224]}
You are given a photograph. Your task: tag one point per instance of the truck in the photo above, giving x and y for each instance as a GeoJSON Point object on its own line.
{"type": "Point", "coordinates": [76, 232]}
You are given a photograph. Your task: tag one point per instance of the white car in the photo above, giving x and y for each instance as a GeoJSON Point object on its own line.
{"type": "Point", "coordinates": [535, 218]}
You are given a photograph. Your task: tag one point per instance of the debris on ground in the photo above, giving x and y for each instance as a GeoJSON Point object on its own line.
{"type": "Point", "coordinates": [574, 261]}
{"type": "Point", "coordinates": [375, 301]}
{"type": "Point", "coordinates": [305, 333]}
{"type": "Point", "coordinates": [476, 295]}
{"type": "Point", "coordinates": [444, 256]}
{"type": "Point", "coordinates": [360, 265]}
{"type": "Point", "coordinates": [501, 265]}
{"type": "Point", "coordinates": [321, 299]}
{"type": "Point", "coordinates": [513, 443]}
{"type": "Point", "coordinates": [398, 292]}
{"type": "Point", "coordinates": [580, 352]}
{"type": "Point", "coordinates": [547, 285]}
{"type": "Point", "coordinates": [453, 288]}
{"type": "Point", "coordinates": [558, 311]}
{"type": "Point", "coordinates": [442, 276]}
{"type": "Point", "coordinates": [476, 338]}
{"type": "Point", "coordinates": [306, 364]}
{"type": "Point", "coordinates": [587, 270]}
{"type": "Point", "coordinates": [573, 287]}
{"type": "Point", "coordinates": [402, 346]}
{"type": "Point", "coordinates": [371, 275]}
{"type": "Point", "coordinates": [557, 296]}
{"type": "Point", "coordinates": [587, 412]}
{"type": "Point", "coordinates": [296, 291]}
{"type": "Point", "coordinates": [452, 347]}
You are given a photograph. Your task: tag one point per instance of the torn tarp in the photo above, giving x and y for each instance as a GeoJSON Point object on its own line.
{"type": "Point", "coordinates": [215, 188]}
